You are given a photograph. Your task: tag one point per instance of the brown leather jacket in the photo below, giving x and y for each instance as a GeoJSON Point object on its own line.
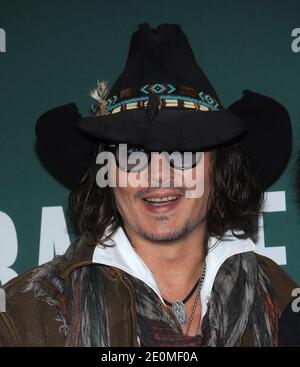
{"type": "Point", "coordinates": [30, 321]}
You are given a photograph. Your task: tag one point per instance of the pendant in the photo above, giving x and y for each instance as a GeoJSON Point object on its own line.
{"type": "Point", "coordinates": [179, 311]}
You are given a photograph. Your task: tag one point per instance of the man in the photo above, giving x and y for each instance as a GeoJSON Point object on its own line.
{"type": "Point", "coordinates": [165, 255]}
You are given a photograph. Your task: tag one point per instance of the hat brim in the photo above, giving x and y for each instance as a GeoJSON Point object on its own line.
{"type": "Point", "coordinates": [172, 129]}
{"type": "Point", "coordinates": [63, 149]}
{"type": "Point", "coordinates": [69, 152]}
{"type": "Point", "coordinates": [269, 139]}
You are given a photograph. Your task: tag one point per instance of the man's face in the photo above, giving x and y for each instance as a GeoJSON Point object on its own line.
{"type": "Point", "coordinates": [164, 213]}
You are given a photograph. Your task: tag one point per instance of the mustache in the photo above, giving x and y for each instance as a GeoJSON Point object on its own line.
{"type": "Point", "coordinates": [148, 190]}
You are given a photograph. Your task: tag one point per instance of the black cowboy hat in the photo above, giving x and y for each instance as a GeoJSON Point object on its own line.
{"type": "Point", "coordinates": [163, 101]}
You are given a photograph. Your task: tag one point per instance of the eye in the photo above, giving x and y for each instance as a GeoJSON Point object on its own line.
{"type": "Point", "coordinates": [196, 157]}
{"type": "Point", "coordinates": [185, 160]}
{"type": "Point", "coordinates": [132, 149]}
{"type": "Point", "coordinates": [132, 158]}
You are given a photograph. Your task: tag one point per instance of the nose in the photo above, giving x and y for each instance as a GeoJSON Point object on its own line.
{"type": "Point", "coordinates": [160, 173]}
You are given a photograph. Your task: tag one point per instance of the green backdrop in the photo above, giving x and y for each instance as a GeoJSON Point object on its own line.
{"type": "Point", "coordinates": [52, 53]}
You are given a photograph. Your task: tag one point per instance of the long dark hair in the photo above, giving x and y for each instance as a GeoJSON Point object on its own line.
{"type": "Point", "coordinates": [236, 197]}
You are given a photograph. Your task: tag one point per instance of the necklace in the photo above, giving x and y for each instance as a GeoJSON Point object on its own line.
{"type": "Point", "coordinates": [196, 300]}
{"type": "Point", "coordinates": [187, 297]}
{"type": "Point", "coordinates": [178, 305]}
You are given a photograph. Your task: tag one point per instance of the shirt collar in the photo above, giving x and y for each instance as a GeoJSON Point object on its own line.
{"type": "Point", "coordinates": [124, 257]}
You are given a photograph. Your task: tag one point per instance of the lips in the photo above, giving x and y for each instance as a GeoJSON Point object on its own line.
{"type": "Point", "coordinates": [162, 200]}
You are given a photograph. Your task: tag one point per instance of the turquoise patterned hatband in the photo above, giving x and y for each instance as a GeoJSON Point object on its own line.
{"type": "Point", "coordinates": [169, 96]}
